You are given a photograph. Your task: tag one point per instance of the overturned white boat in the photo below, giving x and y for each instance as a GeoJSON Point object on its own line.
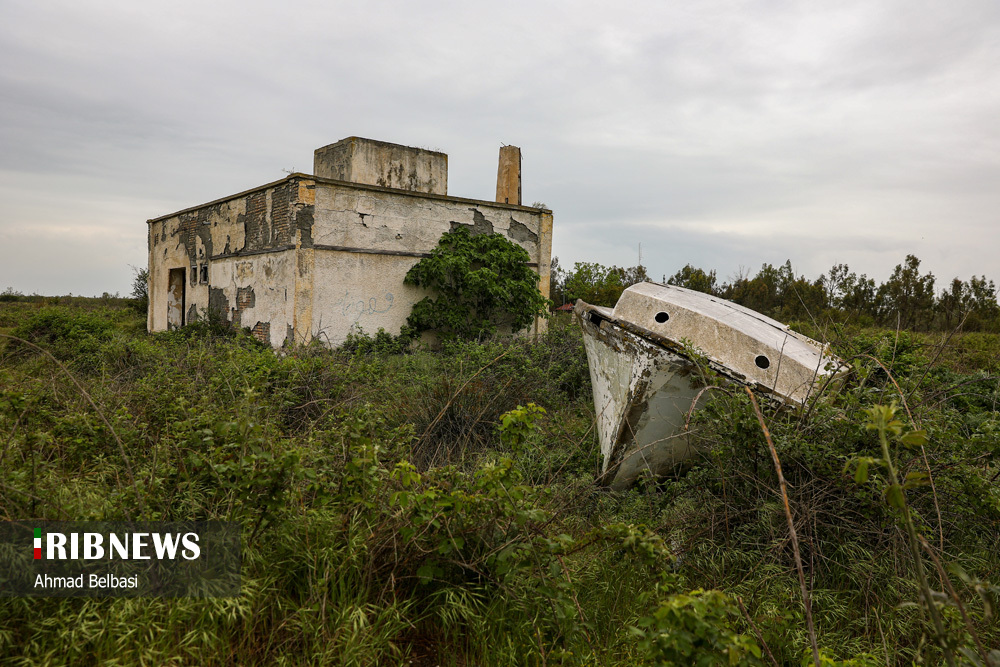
{"type": "Point", "coordinates": [644, 357]}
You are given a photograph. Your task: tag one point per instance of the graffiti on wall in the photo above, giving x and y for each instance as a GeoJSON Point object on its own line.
{"type": "Point", "coordinates": [354, 305]}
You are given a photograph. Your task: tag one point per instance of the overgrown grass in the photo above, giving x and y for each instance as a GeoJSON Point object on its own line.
{"type": "Point", "coordinates": [387, 521]}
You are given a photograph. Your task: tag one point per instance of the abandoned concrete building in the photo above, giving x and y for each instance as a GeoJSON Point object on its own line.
{"type": "Point", "coordinates": [316, 257]}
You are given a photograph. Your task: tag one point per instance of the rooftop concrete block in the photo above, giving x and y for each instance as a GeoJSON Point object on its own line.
{"type": "Point", "coordinates": [371, 162]}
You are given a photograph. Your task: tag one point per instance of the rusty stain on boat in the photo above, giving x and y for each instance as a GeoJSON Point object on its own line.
{"type": "Point", "coordinates": [644, 357]}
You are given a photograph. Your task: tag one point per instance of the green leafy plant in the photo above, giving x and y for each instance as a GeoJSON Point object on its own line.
{"type": "Point", "coordinates": [517, 425]}
{"type": "Point", "coordinates": [882, 419]}
{"type": "Point", "coordinates": [484, 285]}
{"type": "Point", "coordinates": [361, 343]}
{"type": "Point", "coordinates": [695, 628]}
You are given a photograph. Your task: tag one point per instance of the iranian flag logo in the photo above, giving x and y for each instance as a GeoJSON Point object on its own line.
{"type": "Point", "coordinates": [38, 543]}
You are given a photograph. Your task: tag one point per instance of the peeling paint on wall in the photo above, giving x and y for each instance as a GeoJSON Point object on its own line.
{"type": "Point", "coordinates": [521, 233]}
{"type": "Point", "coordinates": [217, 302]}
{"type": "Point", "coordinates": [480, 225]}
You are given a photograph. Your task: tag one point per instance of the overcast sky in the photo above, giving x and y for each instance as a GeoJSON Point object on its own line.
{"type": "Point", "coordinates": [722, 134]}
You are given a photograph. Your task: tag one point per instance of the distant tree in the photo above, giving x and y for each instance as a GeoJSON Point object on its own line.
{"type": "Point", "coordinates": [633, 274]}
{"type": "Point", "coordinates": [851, 294]}
{"type": "Point", "coordinates": [140, 288]}
{"type": "Point", "coordinates": [983, 303]}
{"type": "Point", "coordinates": [695, 279]}
{"type": "Point", "coordinates": [594, 283]}
{"type": "Point", "coordinates": [972, 304]}
{"type": "Point", "coordinates": [778, 293]}
{"type": "Point", "coordinates": [803, 299]}
{"type": "Point", "coordinates": [907, 298]}
{"type": "Point", "coordinates": [952, 304]}
{"type": "Point", "coordinates": [483, 285]}
{"type": "Point", "coordinates": [862, 301]}
{"type": "Point", "coordinates": [839, 282]}
{"type": "Point", "coordinates": [764, 291]}
{"type": "Point", "coordinates": [557, 281]}
{"type": "Point", "coordinates": [600, 285]}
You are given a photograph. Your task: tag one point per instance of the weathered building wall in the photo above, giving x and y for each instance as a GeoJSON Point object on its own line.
{"type": "Point", "coordinates": [356, 292]}
{"type": "Point", "coordinates": [257, 292]}
{"type": "Point", "coordinates": [309, 257]}
{"type": "Point", "coordinates": [238, 256]}
{"type": "Point", "coordinates": [366, 239]}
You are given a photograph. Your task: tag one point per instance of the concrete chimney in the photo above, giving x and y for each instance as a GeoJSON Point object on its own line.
{"type": "Point", "coordinates": [509, 176]}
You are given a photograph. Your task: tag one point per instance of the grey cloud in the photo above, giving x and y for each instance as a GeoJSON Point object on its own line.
{"type": "Point", "coordinates": [720, 133]}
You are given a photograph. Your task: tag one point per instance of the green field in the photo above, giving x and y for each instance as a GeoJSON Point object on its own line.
{"type": "Point", "coordinates": [388, 519]}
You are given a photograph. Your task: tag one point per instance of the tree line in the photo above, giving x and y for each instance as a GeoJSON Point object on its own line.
{"type": "Point", "coordinates": [907, 300]}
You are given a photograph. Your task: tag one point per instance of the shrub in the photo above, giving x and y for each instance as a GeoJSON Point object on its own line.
{"type": "Point", "coordinates": [65, 333]}
{"type": "Point", "coordinates": [363, 344]}
{"type": "Point", "coordinates": [10, 294]}
{"type": "Point", "coordinates": [484, 285]}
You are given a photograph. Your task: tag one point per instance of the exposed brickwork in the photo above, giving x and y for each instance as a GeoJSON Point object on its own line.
{"type": "Point", "coordinates": [192, 226]}
{"type": "Point", "coordinates": [245, 298]}
{"type": "Point", "coordinates": [281, 228]}
{"type": "Point", "coordinates": [258, 234]}
{"type": "Point", "coordinates": [188, 229]}
{"type": "Point", "coordinates": [188, 226]}
{"type": "Point", "coordinates": [262, 332]}
{"type": "Point", "coordinates": [270, 220]}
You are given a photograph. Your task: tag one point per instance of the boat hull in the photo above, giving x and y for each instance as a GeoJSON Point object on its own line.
{"type": "Point", "coordinates": [652, 356]}
{"type": "Point", "coordinates": [643, 395]}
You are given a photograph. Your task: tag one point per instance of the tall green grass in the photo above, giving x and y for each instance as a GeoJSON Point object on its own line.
{"type": "Point", "coordinates": [388, 520]}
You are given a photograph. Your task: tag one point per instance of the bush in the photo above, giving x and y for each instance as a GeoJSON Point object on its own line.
{"type": "Point", "coordinates": [9, 295]}
{"type": "Point", "coordinates": [695, 629]}
{"type": "Point", "coordinates": [484, 286]}
{"type": "Point", "coordinates": [66, 333]}
{"type": "Point", "coordinates": [361, 343]}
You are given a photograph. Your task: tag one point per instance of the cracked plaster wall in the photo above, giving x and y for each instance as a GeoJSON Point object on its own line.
{"type": "Point", "coordinates": [364, 291]}
{"type": "Point", "coordinates": [244, 242]}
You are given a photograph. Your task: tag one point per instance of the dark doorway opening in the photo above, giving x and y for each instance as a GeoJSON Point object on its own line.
{"type": "Point", "coordinates": [176, 298]}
